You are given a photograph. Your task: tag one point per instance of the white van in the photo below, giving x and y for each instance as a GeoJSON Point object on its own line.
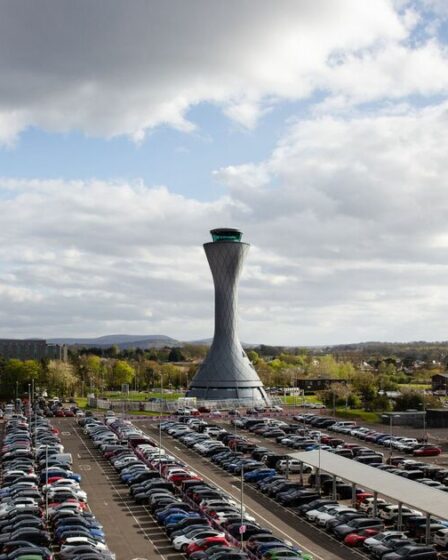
{"type": "Point", "coordinates": [346, 426]}
{"type": "Point", "coordinates": [293, 467]}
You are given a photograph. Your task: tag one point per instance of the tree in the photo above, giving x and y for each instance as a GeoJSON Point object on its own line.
{"type": "Point", "coordinates": [253, 356]}
{"type": "Point", "coordinates": [365, 384]}
{"type": "Point", "coordinates": [94, 369]}
{"type": "Point", "coordinates": [122, 372]}
{"type": "Point", "coordinates": [172, 375]}
{"type": "Point", "coordinates": [337, 394]}
{"type": "Point", "coordinates": [17, 374]}
{"type": "Point", "coordinates": [61, 378]}
{"type": "Point", "coordinates": [176, 355]}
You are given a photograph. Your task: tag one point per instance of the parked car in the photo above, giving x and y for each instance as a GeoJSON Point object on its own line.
{"type": "Point", "coordinates": [427, 450]}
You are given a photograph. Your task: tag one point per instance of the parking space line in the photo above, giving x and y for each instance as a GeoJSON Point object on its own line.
{"type": "Point", "coordinates": [120, 496]}
{"type": "Point", "coordinates": [214, 482]}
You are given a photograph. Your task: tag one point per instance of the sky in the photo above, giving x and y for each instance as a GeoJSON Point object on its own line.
{"type": "Point", "coordinates": [319, 128]}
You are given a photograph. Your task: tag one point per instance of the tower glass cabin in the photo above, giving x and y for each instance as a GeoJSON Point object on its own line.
{"type": "Point", "coordinates": [226, 372]}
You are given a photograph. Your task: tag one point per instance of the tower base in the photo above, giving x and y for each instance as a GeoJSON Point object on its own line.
{"type": "Point", "coordinates": [248, 395]}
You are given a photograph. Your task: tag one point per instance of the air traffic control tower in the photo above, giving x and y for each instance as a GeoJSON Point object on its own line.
{"type": "Point", "coordinates": [226, 372]}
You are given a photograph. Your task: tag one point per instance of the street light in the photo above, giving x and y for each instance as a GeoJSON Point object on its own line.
{"type": "Point", "coordinates": [318, 462]}
{"type": "Point", "coordinates": [391, 417]}
{"type": "Point", "coordinates": [425, 437]}
{"type": "Point", "coordinates": [46, 482]}
{"type": "Point", "coordinates": [242, 527]}
{"type": "Point", "coordinates": [160, 423]}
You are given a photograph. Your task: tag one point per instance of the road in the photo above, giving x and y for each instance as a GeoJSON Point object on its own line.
{"type": "Point", "coordinates": [267, 512]}
{"type": "Point", "coordinates": [131, 532]}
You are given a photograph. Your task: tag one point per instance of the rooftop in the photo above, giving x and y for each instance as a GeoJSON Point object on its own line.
{"type": "Point", "coordinates": [413, 494]}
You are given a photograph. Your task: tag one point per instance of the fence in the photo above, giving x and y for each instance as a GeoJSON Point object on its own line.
{"type": "Point", "coordinates": [171, 406]}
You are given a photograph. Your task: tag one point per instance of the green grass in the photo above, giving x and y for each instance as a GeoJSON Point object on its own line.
{"type": "Point", "coordinates": [298, 399]}
{"type": "Point", "coordinates": [415, 386]}
{"type": "Point", "coordinates": [81, 402]}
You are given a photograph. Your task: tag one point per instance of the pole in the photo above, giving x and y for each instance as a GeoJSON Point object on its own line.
{"type": "Point", "coordinates": [46, 482]}
{"type": "Point", "coordinates": [425, 437]}
{"type": "Point", "coordinates": [390, 440]}
{"type": "Point", "coordinates": [29, 402]}
{"type": "Point", "coordinates": [318, 470]}
{"type": "Point", "coordinates": [160, 423]}
{"type": "Point", "coordinates": [242, 504]}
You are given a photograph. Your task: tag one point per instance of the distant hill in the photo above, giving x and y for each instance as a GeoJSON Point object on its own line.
{"type": "Point", "coordinates": [123, 341]}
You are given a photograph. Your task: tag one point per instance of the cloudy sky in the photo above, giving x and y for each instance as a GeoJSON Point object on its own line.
{"type": "Point", "coordinates": [317, 127]}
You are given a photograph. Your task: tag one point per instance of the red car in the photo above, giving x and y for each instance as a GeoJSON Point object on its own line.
{"type": "Point", "coordinates": [69, 413]}
{"type": "Point", "coordinates": [356, 539]}
{"type": "Point", "coordinates": [362, 497]}
{"type": "Point", "coordinates": [427, 450]}
{"type": "Point", "coordinates": [59, 413]}
{"type": "Point", "coordinates": [203, 544]}
{"type": "Point", "coordinates": [178, 478]}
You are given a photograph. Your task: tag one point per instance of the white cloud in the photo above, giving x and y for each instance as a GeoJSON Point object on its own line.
{"type": "Point", "coordinates": [107, 69]}
{"type": "Point", "coordinates": [347, 221]}
{"type": "Point", "coordinates": [347, 216]}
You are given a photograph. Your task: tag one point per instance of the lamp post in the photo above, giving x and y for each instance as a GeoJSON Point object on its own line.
{"type": "Point", "coordinates": [318, 462]}
{"type": "Point", "coordinates": [391, 417]}
{"type": "Point", "coordinates": [425, 437]}
{"type": "Point", "coordinates": [29, 402]}
{"type": "Point", "coordinates": [242, 528]}
{"type": "Point", "coordinates": [46, 482]}
{"type": "Point", "coordinates": [160, 423]}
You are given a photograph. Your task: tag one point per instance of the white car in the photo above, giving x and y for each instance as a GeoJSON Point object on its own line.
{"type": "Point", "coordinates": [73, 542]}
{"type": "Point", "coordinates": [441, 537]}
{"type": "Point", "coordinates": [356, 432]}
{"type": "Point", "coordinates": [405, 442]}
{"type": "Point", "coordinates": [313, 514]}
{"type": "Point", "coordinates": [367, 505]}
{"type": "Point", "coordinates": [331, 514]}
{"type": "Point", "coordinates": [78, 494]}
{"type": "Point", "coordinates": [212, 431]}
{"type": "Point", "coordinates": [65, 482]}
{"type": "Point", "coordinates": [181, 542]}
{"type": "Point", "coordinates": [224, 515]}
{"type": "Point", "coordinates": [292, 466]}
{"type": "Point", "coordinates": [389, 512]}
{"type": "Point", "coordinates": [383, 537]}
{"type": "Point", "coordinates": [208, 504]}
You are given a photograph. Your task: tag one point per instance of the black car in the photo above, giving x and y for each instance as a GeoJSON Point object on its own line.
{"type": "Point", "coordinates": [315, 504]}
{"type": "Point", "coordinates": [341, 531]}
{"type": "Point", "coordinates": [412, 552]}
{"type": "Point", "coordinates": [382, 548]}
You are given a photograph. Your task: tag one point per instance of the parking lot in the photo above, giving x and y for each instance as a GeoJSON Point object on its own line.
{"type": "Point", "coordinates": [131, 532]}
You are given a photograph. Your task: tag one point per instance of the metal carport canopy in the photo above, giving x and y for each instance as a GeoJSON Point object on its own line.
{"type": "Point", "coordinates": [414, 494]}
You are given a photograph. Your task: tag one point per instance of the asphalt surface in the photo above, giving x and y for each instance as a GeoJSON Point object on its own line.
{"type": "Point", "coordinates": [271, 444]}
{"type": "Point", "coordinates": [131, 532]}
{"type": "Point", "coordinates": [267, 512]}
